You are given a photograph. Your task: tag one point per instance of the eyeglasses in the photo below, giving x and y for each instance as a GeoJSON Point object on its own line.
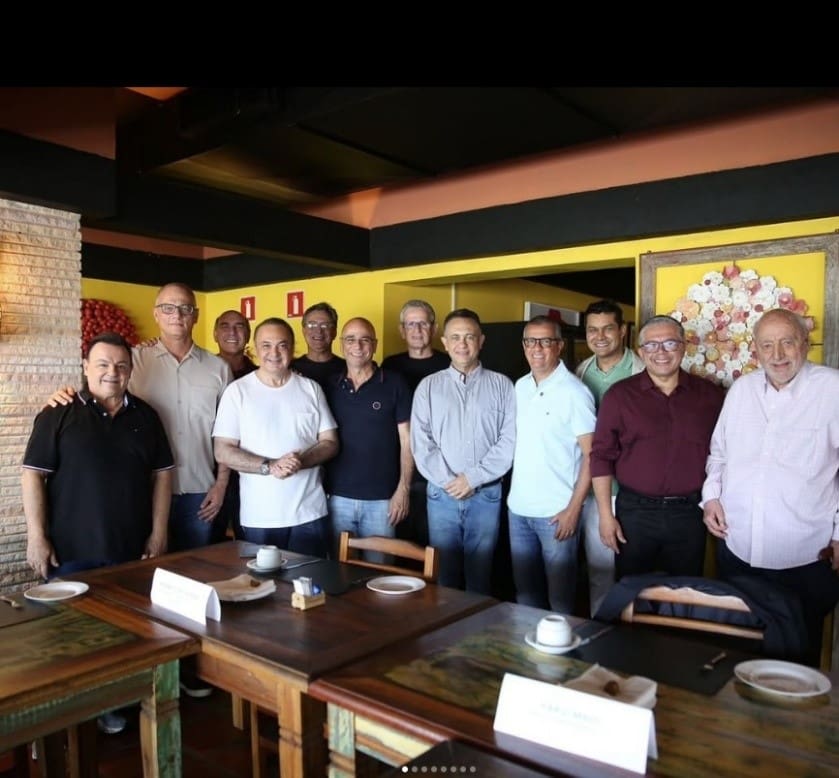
{"type": "Point", "coordinates": [651, 346]}
{"type": "Point", "coordinates": [351, 340]}
{"type": "Point", "coordinates": [416, 325]}
{"type": "Point", "coordinates": [318, 325]}
{"type": "Point", "coordinates": [543, 342]}
{"type": "Point", "coordinates": [170, 308]}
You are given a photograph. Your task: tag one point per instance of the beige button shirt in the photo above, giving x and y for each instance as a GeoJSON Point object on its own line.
{"type": "Point", "coordinates": [186, 396]}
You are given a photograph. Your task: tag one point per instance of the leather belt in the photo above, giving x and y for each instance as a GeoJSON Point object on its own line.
{"type": "Point", "coordinates": [676, 499]}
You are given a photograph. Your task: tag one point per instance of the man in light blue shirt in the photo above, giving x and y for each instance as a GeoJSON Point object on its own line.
{"type": "Point", "coordinates": [463, 436]}
{"type": "Point", "coordinates": [554, 427]}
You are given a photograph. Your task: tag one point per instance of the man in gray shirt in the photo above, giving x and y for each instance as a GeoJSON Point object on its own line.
{"type": "Point", "coordinates": [463, 434]}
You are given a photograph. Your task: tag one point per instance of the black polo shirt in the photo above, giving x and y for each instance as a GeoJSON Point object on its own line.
{"type": "Point", "coordinates": [98, 468]}
{"type": "Point", "coordinates": [367, 464]}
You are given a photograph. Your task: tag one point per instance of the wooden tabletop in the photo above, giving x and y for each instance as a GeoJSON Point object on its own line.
{"type": "Point", "coordinates": [444, 685]}
{"type": "Point", "coordinates": [304, 643]}
{"type": "Point", "coordinates": [76, 644]}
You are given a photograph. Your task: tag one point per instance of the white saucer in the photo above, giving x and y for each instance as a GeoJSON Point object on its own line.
{"type": "Point", "coordinates": [530, 639]}
{"type": "Point", "coordinates": [396, 584]}
{"type": "Point", "coordinates": [55, 591]}
{"type": "Point", "coordinates": [785, 679]}
{"type": "Point", "coordinates": [252, 565]}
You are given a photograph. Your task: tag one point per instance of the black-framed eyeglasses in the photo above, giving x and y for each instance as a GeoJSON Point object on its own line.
{"type": "Point", "coordinates": [651, 346]}
{"type": "Point", "coordinates": [543, 342]}
{"type": "Point", "coordinates": [169, 308]}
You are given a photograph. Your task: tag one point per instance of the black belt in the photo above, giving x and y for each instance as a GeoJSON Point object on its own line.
{"type": "Point", "coordinates": [677, 499]}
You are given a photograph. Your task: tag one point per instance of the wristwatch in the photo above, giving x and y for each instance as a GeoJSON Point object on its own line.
{"type": "Point", "coordinates": [265, 467]}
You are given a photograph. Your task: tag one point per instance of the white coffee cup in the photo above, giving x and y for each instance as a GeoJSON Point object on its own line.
{"type": "Point", "coordinates": [269, 556]}
{"type": "Point", "coordinates": [553, 630]}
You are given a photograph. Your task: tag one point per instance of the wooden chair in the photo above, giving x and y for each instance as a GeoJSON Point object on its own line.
{"type": "Point", "coordinates": [264, 727]}
{"type": "Point", "coordinates": [349, 548]}
{"type": "Point", "coordinates": [691, 597]}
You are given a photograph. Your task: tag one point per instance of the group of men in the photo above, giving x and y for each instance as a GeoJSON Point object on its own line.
{"type": "Point", "coordinates": [633, 456]}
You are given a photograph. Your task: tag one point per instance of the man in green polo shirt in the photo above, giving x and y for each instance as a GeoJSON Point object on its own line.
{"type": "Point", "coordinates": [611, 361]}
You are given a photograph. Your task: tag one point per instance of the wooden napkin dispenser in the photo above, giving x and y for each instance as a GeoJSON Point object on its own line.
{"type": "Point", "coordinates": [306, 601]}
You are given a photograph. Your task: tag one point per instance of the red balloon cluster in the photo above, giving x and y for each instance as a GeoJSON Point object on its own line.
{"type": "Point", "coordinates": [100, 316]}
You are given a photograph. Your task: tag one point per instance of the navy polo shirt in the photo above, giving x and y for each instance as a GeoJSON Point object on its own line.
{"type": "Point", "coordinates": [367, 464]}
{"type": "Point", "coordinates": [98, 470]}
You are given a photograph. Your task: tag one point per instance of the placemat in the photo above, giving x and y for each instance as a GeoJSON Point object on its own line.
{"type": "Point", "coordinates": [29, 611]}
{"type": "Point", "coordinates": [668, 659]}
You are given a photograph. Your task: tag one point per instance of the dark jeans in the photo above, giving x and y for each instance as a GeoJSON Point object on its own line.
{"type": "Point", "coordinates": [816, 585]}
{"type": "Point", "coordinates": [414, 526]}
{"type": "Point", "coordinates": [186, 530]}
{"type": "Point", "coordinates": [312, 538]}
{"type": "Point", "coordinates": [664, 537]}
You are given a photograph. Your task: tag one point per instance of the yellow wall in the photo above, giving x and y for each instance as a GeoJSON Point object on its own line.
{"type": "Point", "coordinates": [378, 295]}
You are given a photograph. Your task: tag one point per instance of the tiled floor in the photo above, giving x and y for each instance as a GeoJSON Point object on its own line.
{"type": "Point", "coordinates": [212, 747]}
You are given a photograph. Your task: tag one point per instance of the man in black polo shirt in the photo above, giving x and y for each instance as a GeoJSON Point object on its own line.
{"type": "Point", "coordinates": [97, 477]}
{"type": "Point", "coordinates": [97, 473]}
{"type": "Point", "coordinates": [370, 478]}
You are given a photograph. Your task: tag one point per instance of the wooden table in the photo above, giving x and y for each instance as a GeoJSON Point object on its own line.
{"type": "Point", "coordinates": [82, 659]}
{"type": "Point", "coordinates": [397, 703]}
{"type": "Point", "coordinates": [268, 653]}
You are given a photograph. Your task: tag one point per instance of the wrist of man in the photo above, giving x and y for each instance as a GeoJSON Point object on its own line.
{"type": "Point", "coordinates": [265, 467]}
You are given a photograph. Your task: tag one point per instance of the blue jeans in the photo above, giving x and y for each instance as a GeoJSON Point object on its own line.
{"type": "Point", "coordinates": [186, 530]}
{"type": "Point", "coordinates": [465, 532]}
{"type": "Point", "coordinates": [600, 559]}
{"type": "Point", "coordinates": [544, 568]}
{"type": "Point", "coordinates": [361, 518]}
{"type": "Point", "coordinates": [311, 538]}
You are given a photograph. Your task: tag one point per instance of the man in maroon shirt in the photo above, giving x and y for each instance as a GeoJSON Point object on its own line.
{"type": "Point", "coordinates": [653, 435]}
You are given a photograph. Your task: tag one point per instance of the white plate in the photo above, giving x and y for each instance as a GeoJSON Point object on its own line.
{"type": "Point", "coordinates": [530, 639]}
{"type": "Point", "coordinates": [783, 678]}
{"type": "Point", "coordinates": [55, 591]}
{"type": "Point", "coordinates": [396, 584]}
{"type": "Point", "coordinates": [252, 565]}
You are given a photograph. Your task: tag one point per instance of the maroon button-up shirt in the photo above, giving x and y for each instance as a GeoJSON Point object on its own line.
{"type": "Point", "coordinates": [653, 443]}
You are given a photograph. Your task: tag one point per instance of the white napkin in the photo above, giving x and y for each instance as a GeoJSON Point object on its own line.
{"type": "Point", "coordinates": [242, 588]}
{"type": "Point", "coordinates": [635, 690]}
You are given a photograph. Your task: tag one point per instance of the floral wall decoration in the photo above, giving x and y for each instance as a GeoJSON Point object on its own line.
{"type": "Point", "coordinates": [719, 314]}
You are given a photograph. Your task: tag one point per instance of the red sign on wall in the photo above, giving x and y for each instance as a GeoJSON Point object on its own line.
{"type": "Point", "coordinates": [294, 305]}
{"type": "Point", "coordinates": [247, 307]}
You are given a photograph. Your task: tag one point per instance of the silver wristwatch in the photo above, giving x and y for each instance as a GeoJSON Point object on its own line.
{"type": "Point", "coordinates": [265, 467]}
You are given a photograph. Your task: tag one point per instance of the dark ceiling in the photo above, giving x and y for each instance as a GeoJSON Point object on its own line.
{"type": "Point", "coordinates": [295, 146]}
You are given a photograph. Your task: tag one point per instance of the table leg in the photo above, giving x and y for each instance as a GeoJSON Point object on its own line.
{"type": "Point", "coordinates": [301, 756]}
{"type": "Point", "coordinates": [160, 725]}
{"type": "Point", "coordinates": [341, 725]}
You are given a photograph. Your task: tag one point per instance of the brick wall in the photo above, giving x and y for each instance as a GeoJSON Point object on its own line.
{"type": "Point", "coordinates": [40, 348]}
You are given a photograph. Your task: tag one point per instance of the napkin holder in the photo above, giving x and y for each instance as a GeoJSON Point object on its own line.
{"type": "Point", "coordinates": [305, 601]}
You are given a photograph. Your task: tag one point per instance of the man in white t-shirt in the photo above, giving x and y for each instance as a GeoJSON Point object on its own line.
{"type": "Point", "coordinates": [275, 428]}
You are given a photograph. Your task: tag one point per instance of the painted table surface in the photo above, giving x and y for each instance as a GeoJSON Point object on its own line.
{"type": "Point", "coordinates": [71, 661]}
{"type": "Point", "coordinates": [444, 685]}
{"type": "Point", "coordinates": [268, 652]}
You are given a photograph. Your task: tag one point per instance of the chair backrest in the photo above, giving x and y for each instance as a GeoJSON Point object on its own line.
{"type": "Point", "coordinates": [684, 598]}
{"type": "Point", "coordinates": [350, 546]}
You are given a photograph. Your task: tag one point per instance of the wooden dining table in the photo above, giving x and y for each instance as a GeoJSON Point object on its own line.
{"type": "Point", "coordinates": [443, 685]}
{"type": "Point", "coordinates": [268, 652]}
{"type": "Point", "coordinates": [65, 663]}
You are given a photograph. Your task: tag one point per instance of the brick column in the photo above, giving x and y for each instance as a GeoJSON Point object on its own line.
{"type": "Point", "coordinates": [40, 348]}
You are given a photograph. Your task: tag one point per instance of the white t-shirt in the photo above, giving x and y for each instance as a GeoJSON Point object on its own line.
{"type": "Point", "coordinates": [270, 422]}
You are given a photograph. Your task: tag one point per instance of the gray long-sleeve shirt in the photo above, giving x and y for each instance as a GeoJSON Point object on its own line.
{"type": "Point", "coordinates": [464, 424]}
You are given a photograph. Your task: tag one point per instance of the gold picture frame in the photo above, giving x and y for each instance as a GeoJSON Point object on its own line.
{"type": "Point", "coordinates": [826, 246]}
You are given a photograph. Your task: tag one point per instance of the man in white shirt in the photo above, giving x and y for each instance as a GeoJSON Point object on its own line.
{"type": "Point", "coordinates": [275, 429]}
{"type": "Point", "coordinates": [772, 487]}
{"type": "Point", "coordinates": [551, 477]}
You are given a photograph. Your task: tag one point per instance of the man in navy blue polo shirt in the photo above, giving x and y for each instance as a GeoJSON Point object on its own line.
{"type": "Point", "coordinates": [370, 478]}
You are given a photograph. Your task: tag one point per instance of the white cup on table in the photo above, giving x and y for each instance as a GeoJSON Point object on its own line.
{"type": "Point", "coordinates": [553, 630]}
{"type": "Point", "coordinates": [269, 556]}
